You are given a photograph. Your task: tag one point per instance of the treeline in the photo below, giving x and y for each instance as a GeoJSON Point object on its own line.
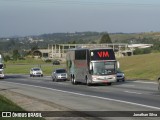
{"type": "Point", "coordinates": [25, 44]}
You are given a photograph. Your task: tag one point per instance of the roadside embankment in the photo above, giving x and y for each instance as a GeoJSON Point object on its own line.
{"type": "Point", "coordinates": [33, 104]}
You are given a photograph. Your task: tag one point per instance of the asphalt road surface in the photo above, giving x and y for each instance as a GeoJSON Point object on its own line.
{"type": "Point", "coordinates": [123, 96]}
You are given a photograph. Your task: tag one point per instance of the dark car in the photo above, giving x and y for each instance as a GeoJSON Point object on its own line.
{"type": "Point", "coordinates": [56, 62]}
{"type": "Point", "coordinates": [120, 76]}
{"type": "Point", "coordinates": [59, 74]}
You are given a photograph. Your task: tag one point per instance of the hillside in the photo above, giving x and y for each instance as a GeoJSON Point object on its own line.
{"type": "Point", "coordinates": [141, 66]}
{"type": "Point", "coordinates": [42, 41]}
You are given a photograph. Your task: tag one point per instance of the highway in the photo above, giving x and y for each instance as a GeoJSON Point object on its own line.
{"type": "Point", "coordinates": [123, 96]}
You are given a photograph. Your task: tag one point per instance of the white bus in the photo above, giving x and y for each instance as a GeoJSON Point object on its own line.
{"type": "Point", "coordinates": [91, 66]}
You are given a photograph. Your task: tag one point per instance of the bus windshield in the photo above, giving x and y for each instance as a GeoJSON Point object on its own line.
{"type": "Point", "coordinates": [104, 68]}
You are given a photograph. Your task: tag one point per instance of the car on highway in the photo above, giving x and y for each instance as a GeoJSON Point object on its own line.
{"type": "Point", "coordinates": [36, 72]}
{"type": "Point", "coordinates": [120, 76]}
{"type": "Point", "coordinates": [59, 74]}
{"type": "Point", "coordinates": [56, 62]}
{"type": "Point", "coordinates": [2, 74]}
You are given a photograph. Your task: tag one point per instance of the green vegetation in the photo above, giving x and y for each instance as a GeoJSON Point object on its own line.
{"type": "Point", "coordinates": [7, 105]}
{"type": "Point", "coordinates": [105, 39]}
{"type": "Point", "coordinates": [24, 66]}
{"type": "Point", "coordinates": [29, 43]}
{"type": "Point", "coordinates": [141, 66]}
{"type": "Point", "coordinates": [139, 51]}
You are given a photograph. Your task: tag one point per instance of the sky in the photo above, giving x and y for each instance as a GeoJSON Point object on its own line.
{"type": "Point", "coordinates": [35, 17]}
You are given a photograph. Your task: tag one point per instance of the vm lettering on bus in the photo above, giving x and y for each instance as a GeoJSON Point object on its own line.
{"type": "Point", "coordinates": [103, 54]}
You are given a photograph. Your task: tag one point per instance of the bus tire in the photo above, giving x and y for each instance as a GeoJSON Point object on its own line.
{"type": "Point", "coordinates": [71, 79]}
{"type": "Point", "coordinates": [87, 82]}
{"type": "Point", "coordinates": [74, 80]}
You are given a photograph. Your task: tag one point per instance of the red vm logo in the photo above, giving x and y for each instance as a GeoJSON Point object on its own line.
{"type": "Point", "coordinates": [103, 54]}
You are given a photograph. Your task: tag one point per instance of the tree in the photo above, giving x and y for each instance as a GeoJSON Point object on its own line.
{"type": "Point", "coordinates": [138, 51]}
{"type": "Point", "coordinates": [16, 55]}
{"type": "Point", "coordinates": [105, 39]}
{"type": "Point", "coordinates": [35, 47]}
{"type": "Point", "coordinates": [7, 58]}
{"type": "Point", "coordinates": [72, 42]}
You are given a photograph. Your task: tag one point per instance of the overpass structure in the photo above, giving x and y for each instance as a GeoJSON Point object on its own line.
{"type": "Point", "coordinates": [59, 50]}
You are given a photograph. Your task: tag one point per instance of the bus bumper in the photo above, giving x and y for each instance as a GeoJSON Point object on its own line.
{"type": "Point", "coordinates": [103, 79]}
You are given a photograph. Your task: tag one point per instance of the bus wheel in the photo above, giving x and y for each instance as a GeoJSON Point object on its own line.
{"type": "Point", "coordinates": [87, 82]}
{"type": "Point", "coordinates": [73, 80]}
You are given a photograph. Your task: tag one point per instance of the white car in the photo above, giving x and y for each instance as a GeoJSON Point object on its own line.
{"type": "Point", "coordinates": [2, 74]}
{"type": "Point", "coordinates": [36, 72]}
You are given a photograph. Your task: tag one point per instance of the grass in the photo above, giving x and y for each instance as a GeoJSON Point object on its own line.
{"type": "Point", "coordinates": [8, 106]}
{"type": "Point", "coordinates": [24, 66]}
{"type": "Point", "coordinates": [141, 66]}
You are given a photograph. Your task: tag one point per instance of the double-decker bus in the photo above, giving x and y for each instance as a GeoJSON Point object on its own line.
{"type": "Point", "coordinates": [91, 66]}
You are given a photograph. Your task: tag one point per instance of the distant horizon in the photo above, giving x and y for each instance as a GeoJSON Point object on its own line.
{"type": "Point", "coordinates": [16, 36]}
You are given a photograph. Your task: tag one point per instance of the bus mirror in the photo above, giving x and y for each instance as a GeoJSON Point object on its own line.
{"type": "Point", "coordinates": [118, 65]}
{"type": "Point", "coordinates": [91, 66]}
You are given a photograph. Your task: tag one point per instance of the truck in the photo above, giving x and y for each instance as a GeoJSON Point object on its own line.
{"type": "Point", "coordinates": [91, 66]}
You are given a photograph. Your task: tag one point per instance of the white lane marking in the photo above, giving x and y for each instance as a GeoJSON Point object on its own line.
{"type": "Point", "coordinates": [58, 83]}
{"type": "Point", "coordinates": [92, 96]}
{"type": "Point", "coordinates": [127, 85]}
{"type": "Point", "coordinates": [145, 82]}
{"type": "Point", "coordinates": [61, 83]}
{"type": "Point", "coordinates": [132, 92]}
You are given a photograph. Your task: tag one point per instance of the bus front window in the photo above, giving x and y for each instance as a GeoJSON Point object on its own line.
{"type": "Point", "coordinates": [104, 68]}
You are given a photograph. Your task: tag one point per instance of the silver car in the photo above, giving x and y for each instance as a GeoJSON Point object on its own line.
{"type": "Point", "coordinates": [59, 74]}
{"type": "Point", "coordinates": [120, 76]}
